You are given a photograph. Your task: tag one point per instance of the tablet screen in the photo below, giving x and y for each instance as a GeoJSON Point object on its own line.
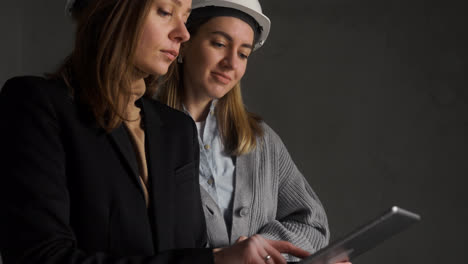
{"type": "Point", "coordinates": [364, 238]}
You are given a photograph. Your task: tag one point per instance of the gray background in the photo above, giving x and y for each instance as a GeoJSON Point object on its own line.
{"type": "Point", "coordinates": [370, 97]}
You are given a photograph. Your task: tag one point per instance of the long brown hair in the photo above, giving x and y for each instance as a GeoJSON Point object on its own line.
{"type": "Point", "coordinates": [239, 128]}
{"type": "Point", "coordinates": [100, 68]}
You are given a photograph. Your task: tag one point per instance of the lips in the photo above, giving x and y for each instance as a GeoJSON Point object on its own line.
{"type": "Point", "coordinates": [221, 77]}
{"type": "Point", "coordinates": [171, 54]}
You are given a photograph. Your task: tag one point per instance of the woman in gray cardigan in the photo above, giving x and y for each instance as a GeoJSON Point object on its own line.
{"type": "Point", "coordinates": [249, 184]}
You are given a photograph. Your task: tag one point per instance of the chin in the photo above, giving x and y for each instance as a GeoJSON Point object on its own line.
{"type": "Point", "coordinates": [160, 72]}
{"type": "Point", "coordinates": [218, 95]}
{"type": "Point", "coordinates": [220, 92]}
{"type": "Point", "coordinates": [159, 69]}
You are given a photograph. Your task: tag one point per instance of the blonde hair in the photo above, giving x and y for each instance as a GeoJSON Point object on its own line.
{"type": "Point", "coordinates": [239, 128]}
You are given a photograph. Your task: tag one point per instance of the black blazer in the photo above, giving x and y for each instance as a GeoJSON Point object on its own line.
{"type": "Point", "coordinates": [70, 193]}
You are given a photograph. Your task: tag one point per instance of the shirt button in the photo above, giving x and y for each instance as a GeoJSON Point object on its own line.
{"type": "Point", "coordinates": [211, 112]}
{"type": "Point", "coordinates": [207, 147]}
{"type": "Point", "coordinates": [210, 181]}
{"type": "Point", "coordinates": [244, 211]}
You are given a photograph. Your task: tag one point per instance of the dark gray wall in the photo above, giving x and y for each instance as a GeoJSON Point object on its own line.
{"type": "Point", "coordinates": [35, 37]}
{"type": "Point", "coordinates": [370, 97]}
{"type": "Point", "coordinates": [371, 100]}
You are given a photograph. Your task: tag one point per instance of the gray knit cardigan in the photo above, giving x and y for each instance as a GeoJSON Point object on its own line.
{"type": "Point", "coordinates": [271, 198]}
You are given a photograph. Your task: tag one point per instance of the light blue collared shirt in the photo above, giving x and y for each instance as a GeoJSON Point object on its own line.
{"type": "Point", "coordinates": [216, 168]}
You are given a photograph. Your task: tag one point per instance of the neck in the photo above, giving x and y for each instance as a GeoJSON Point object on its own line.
{"type": "Point", "coordinates": [138, 89]}
{"type": "Point", "coordinates": [198, 109]}
{"type": "Point", "coordinates": [196, 102]}
{"type": "Point", "coordinates": [138, 86]}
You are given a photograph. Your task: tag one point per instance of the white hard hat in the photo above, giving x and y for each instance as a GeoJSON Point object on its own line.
{"type": "Point", "coordinates": [250, 7]}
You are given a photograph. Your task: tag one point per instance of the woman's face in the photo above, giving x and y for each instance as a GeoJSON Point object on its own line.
{"type": "Point", "coordinates": [163, 32]}
{"type": "Point", "coordinates": [215, 58]}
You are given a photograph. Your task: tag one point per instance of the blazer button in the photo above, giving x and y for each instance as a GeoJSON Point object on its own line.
{"type": "Point", "coordinates": [244, 211]}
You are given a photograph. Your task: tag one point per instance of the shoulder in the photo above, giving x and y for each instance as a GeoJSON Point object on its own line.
{"type": "Point", "coordinates": [169, 116]}
{"type": "Point", "coordinates": [269, 136]}
{"type": "Point", "coordinates": [34, 88]}
{"type": "Point", "coordinates": [31, 104]}
{"type": "Point", "coordinates": [32, 94]}
{"type": "Point", "coordinates": [25, 81]}
{"type": "Point", "coordinates": [32, 82]}
{"type": "Point", "coordinates": [271, 145]}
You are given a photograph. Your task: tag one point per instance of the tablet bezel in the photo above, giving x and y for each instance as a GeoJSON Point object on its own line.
{"type": "Point", "coordinates": [364, 238]}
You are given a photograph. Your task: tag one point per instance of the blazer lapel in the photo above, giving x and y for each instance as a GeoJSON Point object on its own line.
{"type": "Point", "coordinates": [161, 187]}
{"type": "Point", "coordinates": [121, 140]}
{"type": "Point", "coordinates": [153, 147]}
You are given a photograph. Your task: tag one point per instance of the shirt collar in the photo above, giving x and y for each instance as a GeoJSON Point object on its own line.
{"type": "Point", "coordinates": [212, 107]}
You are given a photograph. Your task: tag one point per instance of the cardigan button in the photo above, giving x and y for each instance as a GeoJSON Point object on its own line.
{"type": "Point", "coordinates": [244, 211]}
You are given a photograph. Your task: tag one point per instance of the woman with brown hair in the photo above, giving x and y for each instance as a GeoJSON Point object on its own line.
{"type": "Point", "coordinates": [95, 171]}
{"type": "Point", "coordinates": [249, 183]}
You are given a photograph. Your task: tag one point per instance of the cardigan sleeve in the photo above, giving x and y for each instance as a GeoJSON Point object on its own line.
{"type": "Point", "coordinates": [34, 199]}
{"type": "Point", "coordinates": [300, 217]}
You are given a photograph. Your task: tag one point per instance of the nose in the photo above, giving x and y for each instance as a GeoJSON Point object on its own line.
{"type": "Point", "coordinates": [230, 60]}
{"type": "Point", "coordinates": [180, 33]}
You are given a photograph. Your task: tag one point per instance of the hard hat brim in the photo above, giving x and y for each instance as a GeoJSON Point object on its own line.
{"type": "Point", "coordinates": [262, 20]}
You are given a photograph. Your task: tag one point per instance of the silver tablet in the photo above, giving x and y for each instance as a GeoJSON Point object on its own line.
{"type": "Point", "coordinates": [391, 222]}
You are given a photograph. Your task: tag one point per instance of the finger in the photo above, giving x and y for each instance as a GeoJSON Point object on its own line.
{"type": "Point", "coordinates": [275, 255]}
{"type": "Point", "coordinates": [345, 261]}
{"type": "Point", "coordinates": [286, 247]}
{"type": "Point", "coordinates": [241, 238]}
{"type": "Point", "coordinates": [268, 259]}
{"type": "Point", "coordinates": [261, 253]}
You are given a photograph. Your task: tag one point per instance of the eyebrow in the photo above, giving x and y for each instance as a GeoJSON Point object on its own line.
{"type": "Point", "coordinates": [225, 35]}
{"type": "Point", "coordinates": [179, 3]}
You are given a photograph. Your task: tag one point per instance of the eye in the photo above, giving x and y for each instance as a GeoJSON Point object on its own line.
{"type": "Point", "coordinates": [218, 44]}
{"type": "Point", "coordinates": [164, 13]}
{"type": "Point", "coordinates": [243, 56]}
{"type": "Point", "coordinates": [244, 53]}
